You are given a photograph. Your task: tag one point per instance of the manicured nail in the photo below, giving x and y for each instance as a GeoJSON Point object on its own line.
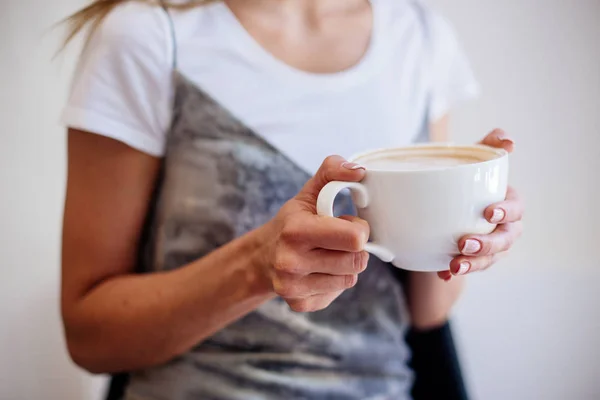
{"type": "Point", "coordinates": [502, 136]}
{"type": "Point", "coordinates": [352, 166]}
{"type": "Point", "coordinates": [464, 267]}
{"type": "Point", "coordinates": [497, 216]}
{"type": "Point", "coordinates": [445, 275]}
{"type": "Point", "coordinates": [471, 246]}
{"type": "Point", "coordinates": [506, 139]}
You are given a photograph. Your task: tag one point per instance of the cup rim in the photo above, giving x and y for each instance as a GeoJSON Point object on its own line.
{"type": "Point", "coordinates": [497, 152]}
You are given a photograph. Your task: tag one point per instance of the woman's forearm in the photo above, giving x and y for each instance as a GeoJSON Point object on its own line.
{"type": "Point", "coordinates": [116, 320]}
{"type": "Point", "coordinates": [135, 321]}
{"type": "Point", "coordinates": [430, 299]}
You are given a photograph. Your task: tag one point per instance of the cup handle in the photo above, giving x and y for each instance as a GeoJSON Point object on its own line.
{"type": "Point", "coordinates": [361, 200]}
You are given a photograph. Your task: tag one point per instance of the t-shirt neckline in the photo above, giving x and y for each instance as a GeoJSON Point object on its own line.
{"type": "Point", "coordinates": [352, 75]}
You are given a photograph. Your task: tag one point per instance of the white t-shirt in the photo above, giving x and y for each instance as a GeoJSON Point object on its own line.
{"type": "Point", "coordinates": [413, 72]}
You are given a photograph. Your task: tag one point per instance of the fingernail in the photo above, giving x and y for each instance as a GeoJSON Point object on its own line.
{"type": "Point", "coordinates": [510, 142]}
{"type": "Point", "coordinates": [471, 246]}
{"type": "Point", "coordinates": [448, 278]}
{"type": "Point", "coordinates": [352, 166]}
{"type": "Point", "coordinates": [464, 267]}
{"type": "Point", "coordinates": [498, 215]}
{"type": "Point", "coordinates": [505, 138]}
{"type": "Point", "coordinates": [502, 135]}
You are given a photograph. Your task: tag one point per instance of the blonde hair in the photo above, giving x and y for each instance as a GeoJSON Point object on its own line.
{"type": "Point", "coordinates": [92, 15]}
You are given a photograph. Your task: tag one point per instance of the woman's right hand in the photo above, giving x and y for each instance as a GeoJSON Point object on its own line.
{"type": "Point", "coordinates": [311, 259]}
{"type": "Point", "coordinates": [307, 259]}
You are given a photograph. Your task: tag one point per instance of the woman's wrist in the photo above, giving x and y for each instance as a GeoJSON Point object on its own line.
{"type": "Point", "coordinates": [261, 250]}
{"type": "Point", "coordinates": [431, 299]}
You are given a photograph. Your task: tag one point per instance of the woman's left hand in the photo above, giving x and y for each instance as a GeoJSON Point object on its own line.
{"type": "Point", "coordinates": [479, 252]}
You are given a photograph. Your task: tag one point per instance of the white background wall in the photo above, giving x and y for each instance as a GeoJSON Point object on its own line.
{"type": "Point", "coordinates": [528, 329]}
{"type": "Point", "coordinates": [33, 362]}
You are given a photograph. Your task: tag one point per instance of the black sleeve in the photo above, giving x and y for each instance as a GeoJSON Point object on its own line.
{"type": "Point", "coordinates": [117, 386]}
{"type": "Point", "coordinates": [436, 365]}
{"type": "Point", "coordinates": [434, 360]}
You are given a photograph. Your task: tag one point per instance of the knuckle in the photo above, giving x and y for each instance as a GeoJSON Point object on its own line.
{"type": "Point", "coordinates": [509, 240]}
{"type": "Point", "coordinates": [279, 287]}
{"type": "Point", "coordinates": [486, 247]}
{"type": "Point", "coordinates": [329, 165]}
{"type": "Point", "coordinates": [350, 281]}
{"type": "Point", "coordinates": [476, 266]}
{"type": "Point", "coordinates": [513, 214]}
{"type": "Point", "coordinates": [359, 261]}
{"type": "Point", "coordinates": [286, 263]}
{"type": "Point", "coordinates": [301, 306]}
{"type": "Point", "coordinates": [356, 240]}
{"type": "Point", "coordinates": [292, 231]}
{"type": "Point", "coordinates": [284, 288]}
{"type": "Point", "coordinates": [330, 161]}
{"type": "Point", "coordinates": [486, 263]}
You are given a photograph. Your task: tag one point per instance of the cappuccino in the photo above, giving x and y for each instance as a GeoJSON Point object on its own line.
{"type": "Point", "coordinates": [424, 158]}
{"type": "Point", "coordinates": [419, 162]}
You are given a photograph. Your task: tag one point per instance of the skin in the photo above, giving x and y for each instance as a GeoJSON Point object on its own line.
{"type": "Point", "coordinates": [305, 259]}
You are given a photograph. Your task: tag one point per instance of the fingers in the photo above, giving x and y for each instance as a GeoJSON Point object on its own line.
{"type": "Point", "coordinates": [317, 258]}
{"type": "Point", "coordinates": [509, 210]}
{"type": "Point", "coordinates": [498, 241]}
{"type": "Point", "coordinates": [499, 139]}
{"type": "Point", "coordinates": [479, 252]}
{"type": "Point", "coordinates": [336, 262]}
{"type": "Point", "coordinates": [294, 287]}
{"type": "Point", "coordinates": [462, 265]}
{"type": "Point", "coordinates": [334, 168]}
{"type": "Point", "coordinates": [322, 262]}
{"type": "Point", "coordinates": [312, 231]}
{"type": "Point", "coordinates": [315, 291]}
{"type": "Point", "coordinates": [313, 303]}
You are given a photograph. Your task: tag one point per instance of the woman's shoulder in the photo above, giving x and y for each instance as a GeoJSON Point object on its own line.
{"type": "Point", "coordinates": [121, 87]}
{"type": "Point", "coordinates": [133, 21]}
{"type": "Point", "coordinates": [134, 30]}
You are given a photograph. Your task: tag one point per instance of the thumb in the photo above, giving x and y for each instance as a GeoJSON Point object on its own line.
{"type": "Point", "coordinates": [334, 168]}
{"type": "Point", "coordinates": [499, 139]}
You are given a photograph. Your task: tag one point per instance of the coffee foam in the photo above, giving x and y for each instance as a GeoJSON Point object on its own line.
{"type": "Point", "coordinates": [424, 158]}
{"type": "Point", "coordinates": [413, 163]}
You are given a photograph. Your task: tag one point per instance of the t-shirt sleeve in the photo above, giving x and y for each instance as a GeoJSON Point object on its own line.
{"type": "Point", "coordinates": [452, 80]}
{"type": "Point", "coordinates": [122, 85]}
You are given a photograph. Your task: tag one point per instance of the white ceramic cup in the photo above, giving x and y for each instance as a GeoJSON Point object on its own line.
{"type": "Point", "coordinates": [418, 215]}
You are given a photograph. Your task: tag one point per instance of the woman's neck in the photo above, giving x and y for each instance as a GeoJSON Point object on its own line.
{"type": "Point", "coordinates": [311, 10]}
{"type": "Point", "coordinates": [319, 36]}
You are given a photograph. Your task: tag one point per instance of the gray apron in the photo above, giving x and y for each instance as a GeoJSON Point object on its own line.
{"type": "Point", "coordinates": [220, 180]}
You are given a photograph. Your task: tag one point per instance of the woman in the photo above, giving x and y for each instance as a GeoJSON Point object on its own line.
{"type": "Point", "coordinates": [192, 254]}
